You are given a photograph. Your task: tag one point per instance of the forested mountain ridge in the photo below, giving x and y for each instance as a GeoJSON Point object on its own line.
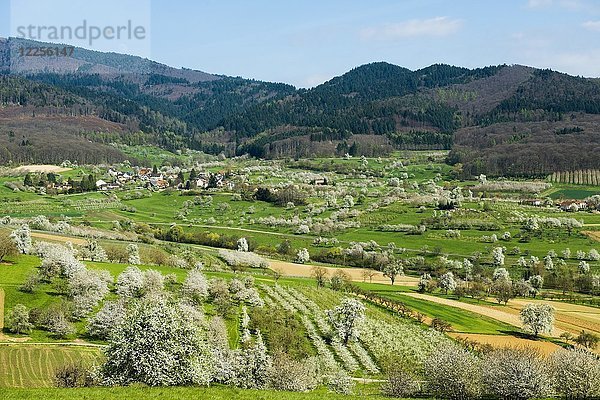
{"type": "Point", "coordinates": [499, 120]}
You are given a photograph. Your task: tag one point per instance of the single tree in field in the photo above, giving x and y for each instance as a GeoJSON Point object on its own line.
{"type": "Point", "coordinates": [503, 290]}
{"type": "Point", "coordinates": [277, 273]}
{"type": "Point", "coordinates": [302, 256]}
{"type": "Point", "coordinates": [447, 282]}
{"type": "Point", "coordinates": [133, 254]}
{"type": "Point", "coordinates": [538, 318]}
{"type": "Point", "coordinates": [320, 275]}
{"type": "Point", "coordinates": [587, 340]}
{"type": "Point", "coordinates": [392, 270]}
{"type": "Point", "coordinates": [17, 319]}
{"type": "Point", "coordinates": [7, 246]}
{"type": "Point", "coordinates": [368, 273]}
{"type": "Point", "coordinates": [242, 244]}
{"type": "Point", "coordinates": [346, 319]}
{"type": "Point", "coordinates": [157, 345]}
{"type": "Point", "coordinates": [22, 238]}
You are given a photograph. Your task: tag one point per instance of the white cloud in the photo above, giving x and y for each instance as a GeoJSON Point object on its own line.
{"type": "Point", "coordinates": [592, 25]}
{"type": "Point", "coordinates": [438, 26]}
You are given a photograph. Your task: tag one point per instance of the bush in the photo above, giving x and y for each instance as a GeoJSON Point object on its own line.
{"type": "Point", "coordinates": [453, 373]}
{"type": "Point", "coordinates": [400, 383]}
{"type": "Point", "coordinates": [340, 382]}
{"type": "Point", "coordinates": [72, 376]}
{"type": "Point", "coordinates": [293, 375]}
{"type": "Point", "coordinates": [518, 374]}
{"type": "Point", "coordinates": [576, 374]}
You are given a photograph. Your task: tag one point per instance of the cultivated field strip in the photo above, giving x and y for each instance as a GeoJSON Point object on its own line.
{"type": "Point", "coordinates": [356, 348]}
{"type": "Point", "coordinates": [325, 355]}
{"type": "Point", "coordinates": [353, 356]}
{"type": "Point", "coordinates": [35, 365]}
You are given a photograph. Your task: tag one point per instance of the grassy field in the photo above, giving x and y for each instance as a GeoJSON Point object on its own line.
{"type": "Point", "coordinates": [181, 393]}
{"type": "Point", "coordinates": [31, 366]}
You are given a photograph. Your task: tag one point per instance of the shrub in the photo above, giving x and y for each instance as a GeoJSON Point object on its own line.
{"type": "Point", "coordinates": [576, 374]}
{"type": "Point", "coordinates": [518, 374]}
{"type": "Point", "coordinates": [453, 373]}
{"type": "Point", "coordinates": [293, 375]}
{"type": "Point", "coordinates": [17, 320]}
{"type": "Point", "coordinates": [72, 376]}
{"type": "Point", "coordinates": [400, 383]}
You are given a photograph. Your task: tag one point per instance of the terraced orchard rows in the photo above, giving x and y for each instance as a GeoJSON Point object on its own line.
{"type": "Point", "coordinates": [381, 335]}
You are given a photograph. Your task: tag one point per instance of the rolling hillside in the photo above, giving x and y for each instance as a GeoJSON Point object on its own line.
{"type": "Point", "coordinates": [498, 120]}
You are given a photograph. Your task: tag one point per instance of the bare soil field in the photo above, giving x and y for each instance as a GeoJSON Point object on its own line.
{"type": "Point", "coordinates": [501, 341]}
{"type": "Point", "coordinates": [57, 238]}
{"type": "Point", "coordinates": [592, 234]}
{"type": "Point", "coordinates": [41, 168]}
{"type": "Point", "coordinates": [356, 274]}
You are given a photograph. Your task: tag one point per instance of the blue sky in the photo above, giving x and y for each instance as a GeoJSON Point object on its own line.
{"type": "Point", "coordinates": [307, 42]}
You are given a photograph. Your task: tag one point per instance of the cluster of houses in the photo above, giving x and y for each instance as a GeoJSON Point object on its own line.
{"type": "Point", "coordinates": [566, 205]}
{"type": "Point", "coordinates": [147, 178]}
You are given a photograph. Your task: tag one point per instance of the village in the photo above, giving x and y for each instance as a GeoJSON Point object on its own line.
{"type": "Point", "coordinates": [137, 178]}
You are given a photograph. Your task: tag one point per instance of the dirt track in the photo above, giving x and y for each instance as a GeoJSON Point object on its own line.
{"type": "Point", "coordinates": [301, 270]}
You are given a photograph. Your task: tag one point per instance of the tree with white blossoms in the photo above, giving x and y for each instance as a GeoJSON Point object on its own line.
{"type": "Point", "coordinates": [17, 320]}
{"type": "Point", "coordinates": [424, 282]}
{"type": "Point", "coordinates": [133, 254]}
{"type": "Point", "coordinates": [22, 238]}
{"type": "Point", "coordinates": [453, 372]}
{"type": "Point", "coordinates": [447, 282]}
{"type": "Point", "coordinates": [195, 286]}
{"type": "Point", "coordinates": [498, 256]}
{"type": "Point", "coordinates": [536, 281]}
{"type": "Point", "coordinates": [501, 274]}
{"type": "Point", "coordinates": [242, 244]}
{"type": "Point", "coordinates": [538, 318]}
{"type": "Point", "coordinates": [252, 366]}
{"type": "Point", "coordinates": [346, 319]}
{"type": "Point", "coordinates": [104, 321]}
{"type": "Point", "coordinates": [153, 282]}
{"type": "Point", "coordinates": [157, 345]}
{"type": "Point", "coordinates": [130, 282]}
{"type": "Point", "coordinates": [583, 267]}
{"type": "Point", "coordinates": [593, 255]}
{"type": "Point", "coordinates": [566, 253]}
{"type": "Point", "coordinates": [92, 251]}
{"type": "Point", "coordinates": [302, 256]}
{"type": "Point", "coordinates": [576, 374]}
{"type": "Point", "coordinates": [303, 229]}
{"type": "Point", "coordinates": [293, 375]}
{"type": "Point", "coordinates": [548, 263]}
{"type": "Point", "coordinates": [87, 288]}
{"type": "Point", "coordinates": [348, 201]}
{"type": "Point", "coordinates": [518, 374]}
{"type": "Point", "coordinates": [392, 270]}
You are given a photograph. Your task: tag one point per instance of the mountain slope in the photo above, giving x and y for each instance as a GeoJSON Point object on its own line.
{"type": "Point", "coordinates": [497, 120]}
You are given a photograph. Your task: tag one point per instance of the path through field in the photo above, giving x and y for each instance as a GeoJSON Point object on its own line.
{"type": "Point", "coordinates": [302, 270]}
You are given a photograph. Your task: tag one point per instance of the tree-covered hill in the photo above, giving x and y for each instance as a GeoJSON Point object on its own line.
{"type": "Point", "coordinates": [497, 120]}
